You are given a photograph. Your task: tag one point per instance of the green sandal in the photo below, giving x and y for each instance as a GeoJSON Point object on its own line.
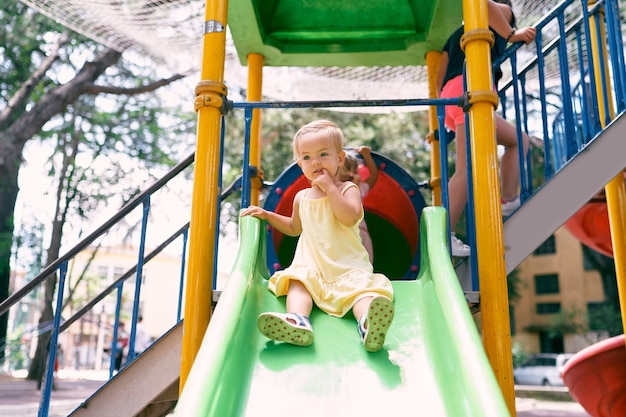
{"type": "Point", "coordinates": [278, 327]}
{"type": "Point", "coordinates": [379, 316]}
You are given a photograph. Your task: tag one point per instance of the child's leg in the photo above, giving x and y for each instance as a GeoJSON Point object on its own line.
{"type": "Point", "coordinates": [298, 299]}
{"type": "Point", "coordinates": [374, 316]}
{"type": "Point", "coordinates": [506, 135]}
{"type": "Point", "coordinates": [295, 326]}
{"type": "Point", "coordinates": [360, 307]}
{"type": "Point", "coordinates": [457, 184]}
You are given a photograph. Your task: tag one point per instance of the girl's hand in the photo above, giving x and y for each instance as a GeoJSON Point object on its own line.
{"type": "Point", "coordinates": [254, 211]}
{"type": "Point", "coordinates": [323, 182]}
{"type": "Point", "coordinates": [525, 35]}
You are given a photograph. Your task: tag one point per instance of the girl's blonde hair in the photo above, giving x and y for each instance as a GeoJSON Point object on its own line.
{"type": "Point", "coordinates": [322, 128]}
{"type": "Point", "coordinates": [351, 163]}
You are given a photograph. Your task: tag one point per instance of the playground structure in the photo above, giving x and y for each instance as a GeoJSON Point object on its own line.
{"type": "Point", "coordinates": [486, 220]}
{"type": "Point", "coordinates": [423, 336]}
{"type": "Point", "coordinates": [596, 377]}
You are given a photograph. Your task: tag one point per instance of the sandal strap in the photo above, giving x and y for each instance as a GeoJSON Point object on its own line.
{"type": "Point", "coordinates": [361, 325]}
{"type": "Point", "coordinates": [301, 320]}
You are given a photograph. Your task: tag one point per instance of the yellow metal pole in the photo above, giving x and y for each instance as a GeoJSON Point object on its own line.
{"type": "Point", "coordinates": [598, 53]}
{"type": "Point", "coordinates": [433, 58]}
{"type": "Point", "coordinates": [616, 201]}
{"type": "Point", "coordinates": [210, 94]}
{"type": "Point", "coordinates": [255, 93]}
{"type": "Point", "coordinates": [494, 301]}
{"type": "Point", "coordinates": [614, 190]}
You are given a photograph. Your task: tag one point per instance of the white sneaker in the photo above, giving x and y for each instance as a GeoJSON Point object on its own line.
{"type": "Point", "coordinates": [459, 248]}
{"type": "Point", "coordinates": [508, 207]}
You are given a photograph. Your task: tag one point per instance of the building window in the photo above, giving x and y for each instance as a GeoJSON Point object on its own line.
{"type": "Point", "coordinates": [548, 247]}
{"type": "Point", "coordinates": [548, 308]}
{"type": "Point", "coordinates": [587, 264]}
{"type": "Point", "coordinates": [547, 284]}
{"type": "Point", "coordinates": [102, 272]}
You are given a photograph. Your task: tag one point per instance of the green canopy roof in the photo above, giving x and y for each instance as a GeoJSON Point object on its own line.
{"type": "Point", "coordinates": [342, 33]}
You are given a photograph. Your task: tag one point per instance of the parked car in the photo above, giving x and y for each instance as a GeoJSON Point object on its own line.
{"type": "Point", "coordinates": [542, 369]}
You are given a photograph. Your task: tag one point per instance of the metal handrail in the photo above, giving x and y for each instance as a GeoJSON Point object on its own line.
{"type": "Point", "coordinates": [85, 242]}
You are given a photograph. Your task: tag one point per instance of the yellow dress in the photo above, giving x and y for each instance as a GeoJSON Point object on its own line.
{"type": "Point", "coordinates": [330, 261]}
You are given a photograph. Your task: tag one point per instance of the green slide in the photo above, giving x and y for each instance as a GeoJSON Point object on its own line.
{"type": "Point", "coordinates": [432, 364]}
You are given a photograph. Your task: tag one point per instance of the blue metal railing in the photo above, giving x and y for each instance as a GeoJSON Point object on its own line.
{"type": "Point", "coordinates": [563, 68]}
{"type": "Point", "coordinates": [586, 115]}
{"type": "Point", "coordinates": [567, 130]}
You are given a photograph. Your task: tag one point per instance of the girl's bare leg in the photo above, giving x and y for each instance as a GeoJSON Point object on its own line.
{"type": "Point", "coordinates": [361, 307]}
{"type": "Point", "coordinates": [298, 299]}
{"type": "Point", "coordinates": [506, 136]}
{"type": "Point", "coordinates": [457, 185]}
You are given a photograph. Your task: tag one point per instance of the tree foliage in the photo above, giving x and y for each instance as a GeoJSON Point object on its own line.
{"type": "Point", "coordinates": [92, 104]}
{"type": "Point", "coordinates": [609, 316]}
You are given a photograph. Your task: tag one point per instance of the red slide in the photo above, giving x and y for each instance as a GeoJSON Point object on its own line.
{"type": "Point", "coordinates": [590, 225]}
{"type": "Point", "coordinates": [596, 378]}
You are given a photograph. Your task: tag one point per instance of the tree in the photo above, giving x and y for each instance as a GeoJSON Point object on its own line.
{"type": "Point", "coordinates": [514, 283]}
{"type": "Point", "coordinates": [46, 71]}
{"type": "Point", "coordinates": [609, 316]}
{"type": "Point", "coordinates": [580, 322]}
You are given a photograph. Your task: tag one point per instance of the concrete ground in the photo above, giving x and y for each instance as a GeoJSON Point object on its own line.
{"type": "Point", "coordinates": [21, 398]}
{"type": "Point", "coordinates": [539, 401]}
{"type": "Point", "coordinates": [528, 407]}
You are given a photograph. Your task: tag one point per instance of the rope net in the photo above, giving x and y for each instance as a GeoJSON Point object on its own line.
{"type": "Point", "coordinates": [170, 32]}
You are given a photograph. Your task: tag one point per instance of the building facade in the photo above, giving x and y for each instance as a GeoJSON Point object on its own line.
{"type": "Point", "coordinates": [555, 284]}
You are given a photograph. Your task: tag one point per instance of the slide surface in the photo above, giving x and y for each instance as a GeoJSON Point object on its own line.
{"type": "Point", "coordinates": [432, 364]}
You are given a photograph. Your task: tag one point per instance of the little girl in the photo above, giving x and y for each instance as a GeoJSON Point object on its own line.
{"type": "Point", "coordinates": [330, 266]}
{"type": "Point", "coordinates": [349, 172]}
